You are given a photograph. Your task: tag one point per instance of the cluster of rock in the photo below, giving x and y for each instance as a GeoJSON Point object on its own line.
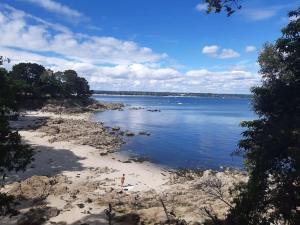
{"type": "Point", "coordinates": [105, 106]}
{"type": "Point", "coordinates": [136, 108]}
{"type": "Point", "coordinates": [82, 132]}
{"type": "Point", "coordinates": [117, 130]}
{"type": "Point", "coordinates": [91, 106]}
{"type": "Point", "coordinates": [154, 110]}
{"type": "Point", "coordinates": [33, 192]}
{"type": "Point", "coordinates": [187, 195]}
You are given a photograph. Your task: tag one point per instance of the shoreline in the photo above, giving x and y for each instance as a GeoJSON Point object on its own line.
{"type": "Point", "coordinates": [37, 138]}
{"type": "Point", "coordinates": [95, 178]}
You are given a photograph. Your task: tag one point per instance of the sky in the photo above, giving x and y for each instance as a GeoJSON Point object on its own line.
{"type": "Point", "coordinates": [142, 45]}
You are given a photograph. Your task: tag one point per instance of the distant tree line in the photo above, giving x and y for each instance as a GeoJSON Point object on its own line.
{"type": "Point", "coordinates": [152, 93]}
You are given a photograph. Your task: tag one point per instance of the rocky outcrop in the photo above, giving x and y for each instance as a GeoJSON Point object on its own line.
{"type": "Point", "coordinates": [39, 187]}
{"type": "Point", "coordinates": [144, 133]}
{"type": "Point", "coordinates": [82, 132]}
{"type": "Point", "coordinates": [79, 106]}
{"type": "Point", "coordinates": [153, 110]}
{"type": "Point", "coordinates": [38, 216]}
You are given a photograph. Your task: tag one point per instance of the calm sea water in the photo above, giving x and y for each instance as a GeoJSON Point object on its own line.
{"type": "Point", "coordinates": [188, 132]}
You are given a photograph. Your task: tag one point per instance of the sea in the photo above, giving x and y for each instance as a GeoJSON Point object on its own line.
{"type": "Point", "coordinates": [185, 132]}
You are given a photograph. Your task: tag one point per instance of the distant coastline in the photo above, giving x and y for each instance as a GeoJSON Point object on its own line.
{"type": "Point", "coordinates": [174, 94]}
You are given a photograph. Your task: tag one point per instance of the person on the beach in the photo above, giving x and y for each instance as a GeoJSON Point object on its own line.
{"type": "Point", "coordinates": [122, 180]}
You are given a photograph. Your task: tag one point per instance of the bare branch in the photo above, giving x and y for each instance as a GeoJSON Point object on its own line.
{"type": "Point", "coordinates": [215, 188]}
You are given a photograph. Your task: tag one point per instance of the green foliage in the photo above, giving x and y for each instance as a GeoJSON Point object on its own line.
{"type": "Point", "coordinates": [216, 6]}
{"type": "Point", "coordinates": [26, 77]}
{"type": "Point", "coordinates": [28, 81]}
{"type": "Point", "coordinates": [271, 144]}
{"type": "Point", "coordinates": [31, 80]}
{"type": "Point", "coordinates": [50, 84]}
{"type": "Point", "coordinates": [74, 85]}
{"type": "Point", "coordinates": [14, 156]}
{"type": "Point", "coordinates": [6, 93]}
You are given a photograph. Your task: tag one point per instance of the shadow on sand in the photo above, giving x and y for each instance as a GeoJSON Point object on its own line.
{"type": "Point", "coordinates": [48, 161]}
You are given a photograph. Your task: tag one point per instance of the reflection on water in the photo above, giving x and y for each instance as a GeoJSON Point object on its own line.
{"type": "Point", "coordinates": [188, 132]}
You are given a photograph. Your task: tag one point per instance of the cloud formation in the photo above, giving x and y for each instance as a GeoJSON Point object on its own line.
{"type": "Point", "coordinates": [250, 48]}
{"type": "Point", "coordinates": [210, 50]}
{"type": "Point", "coordinates": [216, 52]}
{"type": "Point", "coordinates": [260, 14]}
{"type": "Point", "coordinates": [263, 13]}
{"type": "Point", "coordinates": [109, 63]}
{"type": "Point", "coordinates": [18, 31]}
{"type": "Point", "coordinates": [58, 8]}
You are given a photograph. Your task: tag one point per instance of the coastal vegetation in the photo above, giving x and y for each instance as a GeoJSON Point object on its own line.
{"type": "Point", "coordinates": [25, 83]}
{"type": "Point", "coordinates": [14, 155]}
{"type": "Point", "coordinates": [32, 81]}
{"type": "Point", "coordinates": [270, 144]}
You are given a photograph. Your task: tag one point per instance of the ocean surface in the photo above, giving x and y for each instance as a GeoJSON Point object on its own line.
{"type": "Point", "coordinates": [188, 132]}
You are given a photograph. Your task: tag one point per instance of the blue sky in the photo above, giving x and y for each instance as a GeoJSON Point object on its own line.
{"type": "Point", "coordinates": [144, 45]}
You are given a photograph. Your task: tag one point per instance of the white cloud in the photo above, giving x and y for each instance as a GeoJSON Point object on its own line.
{"type": "Point", "coordinates": [250, 48]}
{"type": "Point", "coordinates": [56, 7]}
{"type": "Point", "coordinates": [210, 50]}
{"type": "Point", "coordinates": [257, 14]}
{"type": "Point", "coordinates": [228, 53]}
{"type": "Point", "coordinates": [145, 78]}
{"type": "Point", "coordinates": [201, 7]}
{"type": "Point", "coordinates": [18, 30]}
{"type": "Point", "coordinates": [225, 53]}
{"type": "Point", "coordinates": [260, 14]}
{"type": "Point", "coordinates": [109, 63]}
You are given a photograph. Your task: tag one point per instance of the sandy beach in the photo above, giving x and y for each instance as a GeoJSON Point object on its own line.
{"type": "Point", "coordinates": [72, 180]}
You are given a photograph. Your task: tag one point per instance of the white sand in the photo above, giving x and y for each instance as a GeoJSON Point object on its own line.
{"type": "Point", "coordinates": [71, 159]}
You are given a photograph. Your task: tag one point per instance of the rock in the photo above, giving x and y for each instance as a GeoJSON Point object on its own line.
{"type": "Point", "coordinates": [129, 134]}
{"type": "Point", "coordinates": [103, 153]}
{"type": "Point", "coordinates": [89, 200]}
{"type": "Point", "coordinates": [130, 218]}
{"type": "Point", "coordinates": [153, 110]}
{"type": "Point", "coordinates": [136, 108]}
{"type": "Point", "coordinates": [38, 216]}
{"type": "Point", "coordinates": [115, 128]}
{"type": "Point", "coordinates": [140, 159]}
{"type": "Point", "coordinates": [144, 133]}
{"type": "Point", "coordinates": [80, 205]}
{"type": "Point", "coordinates": [79, 106]}
{"type": "Point", "coordinates": [82, 132]}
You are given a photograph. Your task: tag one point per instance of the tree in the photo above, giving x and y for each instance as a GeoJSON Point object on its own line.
{"type": "Point", "coordinates": [73, 85]}
{"type": "Point", "coordinates": [82, 87]}
{"type": "Point", "coordinates": [216, 6]}
{"type": "Point", "coordinates": [14, 156]}
{"type": "Point", "coordinates": [26, 77]}
{"type": "Point", "coordinates": [69, 79]}
{"type": "Point", "coordinates": [33, 81]}
{"type": "Point", "coordinates": [50, 84]}
{"type": "Point", "coordinates": [271, 144]}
